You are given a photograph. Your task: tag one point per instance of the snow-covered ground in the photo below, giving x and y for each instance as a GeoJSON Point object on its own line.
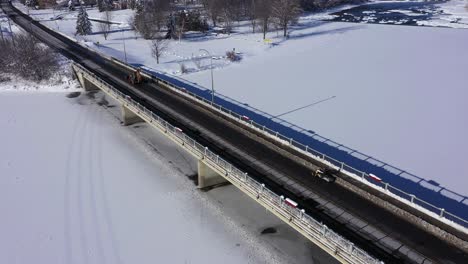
{"type": "Point", "coordinates": [77, 187]}
{"type": "Point", "coordinates": [435, 13]}
{"type": "Point", "coordinates": [61, 81]}
{"type": "Point", "coordinates": [398, 91]}
{"type": "Point", "coordinates": [454, 14]}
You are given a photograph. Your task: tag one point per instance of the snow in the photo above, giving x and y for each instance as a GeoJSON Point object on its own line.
{"type": "Point", "coordinates": [61, 81]}
{"type": "Point", "coordinates": [399, 90]}
{"type": "Point", "coordinates": [455, 15]}
{"type": "Point", "coordinates": [77, 187]}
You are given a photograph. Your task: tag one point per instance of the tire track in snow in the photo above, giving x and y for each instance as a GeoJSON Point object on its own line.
{"type": "Point", "coordinates": [104, 197]}
{"type": "Point", "coordinates": [67, 194]}
{"type": "Point", "coordinates": [79, 193]}
{"type": "Point", "coordinates": [92, 190]}
{"type": "Point", "coordinates": [105, 202]}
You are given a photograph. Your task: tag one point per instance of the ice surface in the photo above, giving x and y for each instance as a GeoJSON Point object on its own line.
{"type": "Point", "coordinates": [77, 187]}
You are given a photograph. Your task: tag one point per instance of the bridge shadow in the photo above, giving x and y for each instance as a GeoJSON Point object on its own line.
{"type": "Point", "coordinates": [427, 190]}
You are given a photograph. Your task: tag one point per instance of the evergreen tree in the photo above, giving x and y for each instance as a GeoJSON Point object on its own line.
{"type": "Point", "coordinates": [108, 5]}
{"type": "Point", "coordinates": [139, 6]}
{"type": "Point", "coordinates": [71, 5]}
{"type": "Point", "coordinates": [139, 21]}
{"type": "Point", "coordinates": [132, 4]}
{"type": "Point", "coordinates": [100, 4]}
{"type": "Point", "coordinates": [31, 3]}
{"type": "Point", "coordinates": [83, 25]}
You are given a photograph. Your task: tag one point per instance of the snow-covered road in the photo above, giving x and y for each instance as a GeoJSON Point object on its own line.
{"type": "Point", "coordinates": [77, 187]}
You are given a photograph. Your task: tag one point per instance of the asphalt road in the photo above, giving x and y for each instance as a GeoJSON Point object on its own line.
{"type": "Point", "coordinates": [280, 173]}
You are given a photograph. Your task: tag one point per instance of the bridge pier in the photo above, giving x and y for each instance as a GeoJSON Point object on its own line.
{"type": "Point", "coordinates": [87, 85]}
{"type": "Point", "coordinates": [207, 177]}
{"type": "Point", "coordinates": [129, 117]}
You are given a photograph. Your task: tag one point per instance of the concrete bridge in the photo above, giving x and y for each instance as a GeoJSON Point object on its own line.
{"type": "Point", "coordinates": [350, 219]}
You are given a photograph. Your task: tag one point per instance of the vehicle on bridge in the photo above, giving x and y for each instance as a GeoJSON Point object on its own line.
{"type": "Point", "coordinates": [326, 174]}
{"type": "Point", "coordinates": [135, 78]}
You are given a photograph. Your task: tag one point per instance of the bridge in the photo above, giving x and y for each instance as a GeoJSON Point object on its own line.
{"type": "Point", "coordinates": [353, 220]}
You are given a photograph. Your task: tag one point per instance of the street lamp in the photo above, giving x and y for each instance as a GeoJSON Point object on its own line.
{"type": "Point", "coordinates": [212, 80]}
{"type": "Point", "coordinates": [123, 40]}
{"type": "Point", "coordinates": [1, 30]}
{"type": "Point", "coordinates": [55, 17]}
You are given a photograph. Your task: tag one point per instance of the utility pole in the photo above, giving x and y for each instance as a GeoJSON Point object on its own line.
{"type": "Point", "coordinates": [212, 80]}
{"type": "Point", "coordinates": [9, 25]}
{"type": "Point", "coordinates": [123, 40]}
{"type": "Point", "coordinates": [1, 31]}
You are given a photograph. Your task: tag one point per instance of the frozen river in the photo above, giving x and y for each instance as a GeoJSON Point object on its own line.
{"type": "Point", "coordinates": [77, 187]}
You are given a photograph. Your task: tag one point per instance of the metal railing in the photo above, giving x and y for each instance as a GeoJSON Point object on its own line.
{"type": "Point", "coordinates": [296, 217]}
{"type": "Point", "coordinates": [364, 177]}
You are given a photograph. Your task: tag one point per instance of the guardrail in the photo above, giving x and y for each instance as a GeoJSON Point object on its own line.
{"type": "Point", "coordinates": [410, 199]}
{"type": "Point", "coordinates": [352, 152]}
{"type": "Point", "coordinates": [297, 218]}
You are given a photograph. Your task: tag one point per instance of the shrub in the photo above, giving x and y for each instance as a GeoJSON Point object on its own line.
{"type": "Point", "coordinates": [233, 56]}
{"type": "Point", "coordinates": [31, 60]}
{"type": "Point", "coordinates": [183, 68]}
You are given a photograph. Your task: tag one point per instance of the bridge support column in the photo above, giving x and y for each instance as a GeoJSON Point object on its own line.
{"type": "Point", "coordinates": [129, 117]}
{"type": "Point", "coordinates": [207, 177]}
{"type": "Point", "coordinates": [87, 85]}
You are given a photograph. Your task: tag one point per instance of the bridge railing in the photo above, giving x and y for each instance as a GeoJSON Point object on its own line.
{"type": "Point", "coordinates": [410, 199]}
{"type": "Point", "coordinates": [274, 202]}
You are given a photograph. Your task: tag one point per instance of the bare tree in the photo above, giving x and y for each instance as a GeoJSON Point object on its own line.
{"type": "Point", "coordinates": [180, 29]}
{"type": "Point", "coordinates": [150, 16]}
{"type": "Point", "coordinates": [227, 17]}
{"type": "Point", "coordinates": [157, 12]}
{"type": "Point", "coordinates": [285, 11]}
{"type": "Point", "coordinates": [214, 9]}
{"type": "Point", "coordinates": [105, 26]}
{"type": "Point", "coordinates": [158, 46]}
{"type": "Point", "coordinates": [264, 9]}
{"type": "Point", "coordinates": [30, 60]}
{"type": "Point", "coordinates": [253, 15]}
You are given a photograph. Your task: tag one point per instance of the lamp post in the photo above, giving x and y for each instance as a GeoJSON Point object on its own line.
{"type": "Point", "coordinates": [212, 80]}
{"type": "Point", "coordinates": [30, 18]}
{"type": "Point", "coordinates": [1, 31]}
{"type": "Point", "coordinates": [123, 40]}
{"type": "Point", "coordinates": [55, 17]}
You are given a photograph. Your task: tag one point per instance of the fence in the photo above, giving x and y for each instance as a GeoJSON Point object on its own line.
{"type": "Point", "coordinates": [296, 217]}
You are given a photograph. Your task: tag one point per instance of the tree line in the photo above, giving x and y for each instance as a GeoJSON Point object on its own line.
{"type": "Point", "coordinates": [178, 16]}
{"type": "Point", "coordinates": [23, 55]}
